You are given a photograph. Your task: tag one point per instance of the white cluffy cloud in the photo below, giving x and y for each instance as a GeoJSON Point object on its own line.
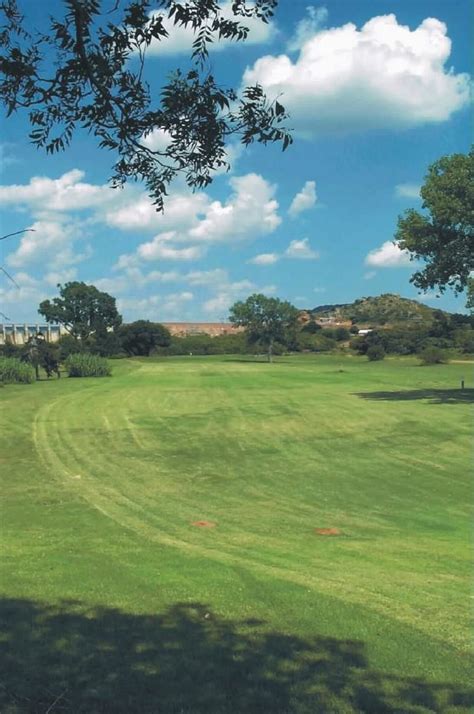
{"type": "Point", "coordinates": [265, 259]}
{"type": "Point", "coordinates": [408, 190]}
{"type": "Point", "coordinates": [297, 249]}
{"type": "Point", "coordinates": [250, 212]}
{"type": "Point", "coordinates": [304, 200]}
{"type": "Point", "coordinates": [388, 255]}
{"type": "Point", "coordinates": [161, 247]}
{"type": "Point", "coordinates": [180, 39]}
{"type": "Point", "coordinates": [66, 193]}
{"type": "Point", "coordinates": [381, 76]}
{"type": "Point", "coordinates": [51, 242]}
{"type": "Point", "coordinates": [301, 249]}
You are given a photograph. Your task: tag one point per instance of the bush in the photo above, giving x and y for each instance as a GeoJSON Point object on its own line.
{"type": "Point", "coordinates": [84, 364]}
{"type": "Point", "coordinates": [433, 355]}
{"type": "Point", "coordinates": [340, 334]}
{"type": "Point", "coordinates": [14, 371]}
{"type": "Point", "coordinates": [375, 353]}
{"type": "Point", "coordinates": [10, 350]}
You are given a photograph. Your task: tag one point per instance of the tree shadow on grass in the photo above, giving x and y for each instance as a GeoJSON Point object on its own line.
{"type": "Point", "coordinates": [435, 396]}
{"type": "Point", "coordinates": [187, 660]}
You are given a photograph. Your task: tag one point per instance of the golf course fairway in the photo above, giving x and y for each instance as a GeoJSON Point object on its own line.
{"type": "Point", "coordinates": [216, 535]}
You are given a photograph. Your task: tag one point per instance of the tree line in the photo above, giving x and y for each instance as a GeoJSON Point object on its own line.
{"type": "Point", "coordinates": [270, 327]}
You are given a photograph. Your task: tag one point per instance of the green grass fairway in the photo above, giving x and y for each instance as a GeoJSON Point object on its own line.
{"type": "Point", "coordinates": [114, 602]}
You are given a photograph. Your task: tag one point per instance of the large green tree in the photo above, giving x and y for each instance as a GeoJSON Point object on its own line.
{"type": "Point", "coordinates": [266, 320]}
{"type": "Point", "coordinates": [90, 70]}
{"type": "Point", "coordinates": [82, 309]}
{"type": "Point", "coordinates": [142, 336]}
{"type": "Point", "coordinates": [443, 236]}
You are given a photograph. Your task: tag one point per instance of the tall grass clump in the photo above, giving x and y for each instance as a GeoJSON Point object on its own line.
{"type": "Point", "coordinates": [83, 364]}
{"type": "Point", "coordinates": [13, 371]}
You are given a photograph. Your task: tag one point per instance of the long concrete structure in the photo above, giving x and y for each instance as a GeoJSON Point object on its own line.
{"type": "Point", "coordinates": [17, 334]}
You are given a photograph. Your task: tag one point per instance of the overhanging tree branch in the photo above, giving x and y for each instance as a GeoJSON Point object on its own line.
{"type": "Point", "coordinates": [98, 84]}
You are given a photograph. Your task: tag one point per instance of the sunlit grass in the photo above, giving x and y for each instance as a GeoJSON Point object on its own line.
{"type": "Point", "coordinates": [104, 479]}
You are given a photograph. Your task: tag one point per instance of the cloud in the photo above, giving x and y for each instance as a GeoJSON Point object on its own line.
{"type": "Point", "coordinates": [224, 291]}
{"type": "Point", "coordinates": [19, 302]}
{"type": "Point", "coordinates": [307, 27]}
{"type": "Point", "coordinates": [265, 259]}
{"type": "Point", "coordinates": [304, 200]}
{"type": "Point", "coordinates": [207, 278]}
{"type": "Point", "coordinates": [297, 249]}
{"type": "Point", "coordinates": [301, 249]}
{"type": "Point", "coordinates": [51, 244]}
{"type": "Point", "coordinates": [181, 213]}
{"type": "Point", "coordinates": [67, 193]}
{"type": "Point", "coordinates": [157, 140]}
{"type": "Point", "coordinates": [370, 274]}
{"type": "Point", "coordinates": [180, 39]}
{"type": "Point", "coordinates": [388, 255]}
{"type": "Point", "coordinates": [226, 296]}
{"type": "Point", "coordinates": [250, 211]}
{"type": "Point", "coordinates": [319, 290]}
{"type": "Point", "coordinates": [408, 190]}
{"type": "Point", "coordinates": [61, 276]}
{"type": "Point", "coordinates": [383, 76]}
{"type": "Point", "coordinates": [161, 248]}
{"type": "Point", "coordinates": [7, 157]}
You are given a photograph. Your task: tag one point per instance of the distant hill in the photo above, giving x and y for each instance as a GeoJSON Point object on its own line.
{"type": "Point", "coordinates": [387, 309]}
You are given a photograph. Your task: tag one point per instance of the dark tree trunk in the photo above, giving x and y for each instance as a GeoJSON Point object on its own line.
{"type": "Point", "coordinates": [270, 351]}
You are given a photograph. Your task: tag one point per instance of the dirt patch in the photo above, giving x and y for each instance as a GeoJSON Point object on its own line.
{"type": "Point", "coordinates": [204, 524]}
{"type": "Point", "coordinates": [327, 531]}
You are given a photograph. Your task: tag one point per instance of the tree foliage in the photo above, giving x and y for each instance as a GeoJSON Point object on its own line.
{"type": "Point", "coordinates": [266, 320]}
{"type": "Point", "coordinates": [443, 237]}
{"type": "Point", "coordinates": [142, 337]}
{"type": "Point", "coordinates": [470, 295]}
{"type": "Point", "coordinates": [82, 309]}
{"type": "Point", "coordinates": [90, 71]}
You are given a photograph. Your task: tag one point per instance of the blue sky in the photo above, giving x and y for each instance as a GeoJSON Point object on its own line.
{"type": "Point", "coordinates": [377, 91]}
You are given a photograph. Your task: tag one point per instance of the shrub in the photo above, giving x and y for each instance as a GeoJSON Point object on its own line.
{"type": "Point", "coordinates": [14, 371]}
{"type": "Point", "coordinates": [340, 334]}
{"type": "Point", "coordinates": [10, 350]}
{"type": "Point", "coordinates": [433, 355]}
{"type": "Point", "coordinates": [375, 352]}
{"type": "Point", "coordinates": [321, 343]}
{"type": "Point", "coordinates": [84, 364]}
